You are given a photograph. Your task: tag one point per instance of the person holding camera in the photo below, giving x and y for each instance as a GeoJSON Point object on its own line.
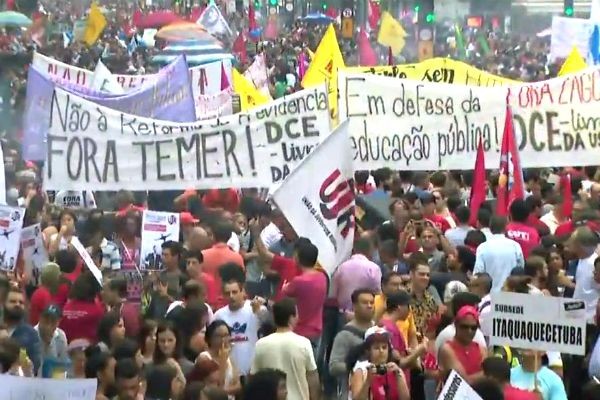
{"type": "Point", "coordinates": [375, 376]}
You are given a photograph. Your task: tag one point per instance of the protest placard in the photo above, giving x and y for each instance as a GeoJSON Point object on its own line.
{"type": "Point", "coordinates": [456, 388]}
{"type": "Point", "coordinates": [93, 146]}
{"type": "Point", "coordinates": [33, 252]}
{"type": "Point", "coordinates": [157, 228]}
{"type": "Point", "coordinates": [20, 388]}
{"type": "Point", "coordinates": [257, 74]}
{"type": "Point", "coordinates": [518, 322]}
{"type": "Point", "coordinates": [414, 125]}
{"type": "Point", "coordinates": [87, 259]}
{"type": "Point", "coordinates": [439, 70]}
{"type": "Point", "coordinates": [2, 177]}
{"type": "Point", "coordinates": [169, 98]}
{"type": "Point", "coordinates": [569, 32]}
{"type": "Point", "coordinates": [317, 198]}
{"type": "Point", "coordinates": [105, 81]}
{"type": "Point", "coordinates": [11, 223]}
{"type": "Point", "coordinates": [209, 106]}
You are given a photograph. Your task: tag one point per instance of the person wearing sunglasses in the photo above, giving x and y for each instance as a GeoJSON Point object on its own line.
{"type": "Point", "coordinates": [462, 353]}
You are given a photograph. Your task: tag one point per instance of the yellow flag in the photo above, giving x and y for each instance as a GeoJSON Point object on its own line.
{"type": "Point", "coordinates": [250, 97]}
{"type": "Point", "coordinates": [574, 63]}
{"type": "Point", "coordinates": [324, 66]}
{"type": "Point", "coordinates": [391, 33]}
{"type": "Point", "coordinates": [96, 23]}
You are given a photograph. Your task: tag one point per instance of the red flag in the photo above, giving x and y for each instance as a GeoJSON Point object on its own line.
{"type": "Point", "coordinates": [137, 17]}
{"type": "Point", "coordinates": [239, 47]}
{"type": "Point", "coordinates": [224, 79]}
{"type": "Point", "coordinates": [272, 29]}
{"type": "Point", "coordinates": [390, 56]}
{"type": "Point", "coordinates": [366, 54]}
{"type": "Point", "coordinates": [332, 12]}
{"type": "Point", "coordinates": [567, 195]}
{"type": "Point", "coordinates": [478, 184]}
{"type": "Point", "coordinates": [374, 14]}
{"type": "Point", "coordinates": [510, 181]}
{"type": "Point", "coordinates": [195, 14]}
{"type": "Point", "coordinates": [251, 18]}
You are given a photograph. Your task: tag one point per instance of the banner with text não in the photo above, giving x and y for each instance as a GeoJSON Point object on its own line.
{"type": "Point", "coordinates": [415, 125]}
{"type": "Point", "coordinates": [94, 146]}
{"type": "Point", "coordinates": [169, 97]}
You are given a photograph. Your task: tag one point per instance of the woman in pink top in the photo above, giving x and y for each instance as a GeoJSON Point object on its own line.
{"type": "Point", "coordinates": [462, 353]}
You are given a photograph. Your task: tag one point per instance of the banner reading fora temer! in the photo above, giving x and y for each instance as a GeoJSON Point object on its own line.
{"type": "Point", "coordinates": [94, 146]}
{"type": "Point", "coordinates": [413, 125]}
{"type": "Point", "coordinates": [518, 322]}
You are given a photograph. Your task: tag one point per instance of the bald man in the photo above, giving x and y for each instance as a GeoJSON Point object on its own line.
{"type": "Point", "coordinates": [198, 239]}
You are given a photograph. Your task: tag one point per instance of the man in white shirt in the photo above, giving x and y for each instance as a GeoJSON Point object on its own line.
{"type": "Point", "coordinates": [498, 255]}
{"type": "Point", "coordinates": [583, 243]}
{"type": "Point", "coordinates": [290, 353]}
{"type": "Point", "coordinates": [244, 318]}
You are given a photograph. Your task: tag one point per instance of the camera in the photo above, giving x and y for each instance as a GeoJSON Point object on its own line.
{"type": "Point", "coordinates": [381, 370]}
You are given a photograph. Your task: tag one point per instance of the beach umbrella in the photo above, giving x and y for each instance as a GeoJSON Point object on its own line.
{"type": "Point", "coordinates": [13, 18]}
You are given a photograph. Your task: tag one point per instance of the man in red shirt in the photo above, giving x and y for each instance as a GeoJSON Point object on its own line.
{"type": "Point", "coordinates": [498, 369]}
{"type": "Point", "coordinates": [428, 201]}
{"type": "Point", "coordinates": [518, 230]}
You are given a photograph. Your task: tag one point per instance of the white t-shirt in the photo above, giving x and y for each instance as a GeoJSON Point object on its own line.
{"type": "Point", "coordinates": [209, 314]}
{"type": "Point", "coordinates": [244, 326]}
{"type": "Point", "coordinates": [290, 353]}
{"type": "Point", "coordinates": [270, 235]}
{"type": "Point", "coordinates": [234, 242]}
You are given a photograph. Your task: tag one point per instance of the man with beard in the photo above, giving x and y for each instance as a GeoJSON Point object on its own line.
{"type": "Point", "coordinates": [18, 329]}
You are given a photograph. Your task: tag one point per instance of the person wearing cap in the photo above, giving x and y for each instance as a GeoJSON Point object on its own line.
{"type": "Point", "coordinates": [53, 340]}
{"type": "Point", "coordinates": [187, 222]}
{"type": "Point", "coordinates": [375, 376]}
{"type": "Point", "coordinates": [462, 354]}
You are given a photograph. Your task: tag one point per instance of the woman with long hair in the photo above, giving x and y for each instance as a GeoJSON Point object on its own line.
{"type": "Point", "coordinates": [266, 384]}
{"type": "Point", "coordinates": [462, 353]}
{"type": "Point", "coordinates": [147, 340]}
{"type": "Point", "coordinates": [110, 331]}
{"type": "Point", "coordinates": [66, 232]}
{"type": "Point", "coordinates": [374, 375]}
{"type": "Point", "coordinates": [101, 366]}
{"type": "Point", "coordinates": [169, 350]}
{"type": "Point", "coordinates": [218, 340]}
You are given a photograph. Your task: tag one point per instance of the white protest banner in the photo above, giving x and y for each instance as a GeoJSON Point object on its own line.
{"type": "Point", "coordinates": [257, 73]}
{"type": "Point", "coordinates": [413, 125]}
{"type": "Point", "coordinates": [93, 146]}
{"type": "Point", "coordinates": [157, 228]}
{"type": "Point", "coordinates": [556, 121]}
{"type": "Point", "coordinates": [104, 81]}
{"type": "Point", "coordinates": [33, 252]}
{"type": "Point", "coordinates": [518, 322]}
{"type": "Point", "coordinates": [87, 259]}
{"type": "Point", "coordinates": [21, 388]}
{"type": "Point", "coordinates": [456, 388]}
{"type": "Point", "coordinates": [317, 198]}
{"type": "Point", "coordinates": [11, 223]}
{"type": "Point", "coordinates": [2, 177]}
{"type": "Point", "coordinates": [206, 79]}
{"type": "Point", "coordinates": [568, 32]}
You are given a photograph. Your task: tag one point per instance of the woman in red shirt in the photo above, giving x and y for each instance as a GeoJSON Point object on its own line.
{"type": "Point", "coordinates": [462, 353]}
{"type": "Point", "coordinates": [45, 294]}
{"type": "Point", "coordinates": [82, 312]}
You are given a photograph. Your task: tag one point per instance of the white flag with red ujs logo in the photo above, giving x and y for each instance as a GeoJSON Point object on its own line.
{"type": "Point", "coordinates": [317, 198]}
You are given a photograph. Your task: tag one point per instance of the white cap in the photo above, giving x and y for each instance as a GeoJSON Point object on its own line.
{"type": "Point", "coordinates": [375, 330]}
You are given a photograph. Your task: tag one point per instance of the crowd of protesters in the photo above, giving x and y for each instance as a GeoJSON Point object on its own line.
{"type": "Point", "coordinates": [241, 308]}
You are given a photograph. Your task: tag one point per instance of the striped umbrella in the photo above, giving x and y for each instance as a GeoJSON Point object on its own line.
{"type": "Point", "coordinates": [196, 52]}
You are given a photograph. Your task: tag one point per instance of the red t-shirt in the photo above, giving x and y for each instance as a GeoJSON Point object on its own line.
{"type": "Point", "coordinates": [526, 236]}
{"type": "Point", "coordinates": [439, 222]}
{"type": "Point", "coordinates": [310, 292]}
{"type": "Point", "coordinates": [541, 227]}
{"type": "Point", "coordinates": [287, 270]}
{"type": "Point", "coordinates": [228, 199]}
{"type": "Point", "coordinates": [211, 287]}
{"type": "Point", "coordinates": [513, 393]}
{"type": "Point", "coordinates": [80, 319]}
{"type": "Point", "coordinates": [40, 299]}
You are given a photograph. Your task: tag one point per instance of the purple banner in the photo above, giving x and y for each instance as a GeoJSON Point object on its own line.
{"type": "Point", "coordinates": [168, 98]}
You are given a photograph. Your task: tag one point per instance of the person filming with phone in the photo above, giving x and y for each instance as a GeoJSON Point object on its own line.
{"type": "Point", "coordinates": [374, 375]}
